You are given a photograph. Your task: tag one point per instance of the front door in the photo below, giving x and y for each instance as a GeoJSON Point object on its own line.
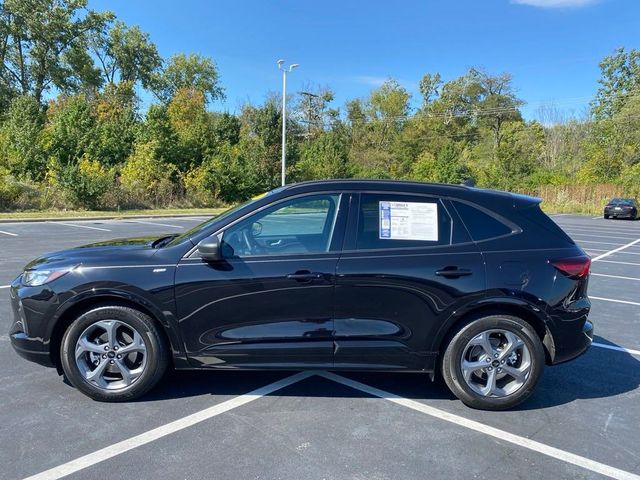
{"type": "Point", "coordinates": [269, 302]}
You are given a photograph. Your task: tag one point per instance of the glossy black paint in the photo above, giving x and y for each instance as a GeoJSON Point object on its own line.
{"type": "Point", "coordinates": [343, 308]}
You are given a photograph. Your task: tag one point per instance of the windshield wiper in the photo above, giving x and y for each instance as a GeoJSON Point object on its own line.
{"type": "Point", "coordinates": [162, 241]}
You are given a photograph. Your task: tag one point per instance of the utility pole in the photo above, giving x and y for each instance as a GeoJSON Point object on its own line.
{"type": "Point", "coordinates": [284, 71]}
{"type": "Point", "coordinates": [311, 118]}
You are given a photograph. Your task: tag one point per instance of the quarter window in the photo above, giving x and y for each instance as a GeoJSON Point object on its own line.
{"type": "Point", "coordinates": [481, 225]}
{"type": "Point", "coordinates": [401, 221]}
{"type": "Point", "coordinates": [298, 226]}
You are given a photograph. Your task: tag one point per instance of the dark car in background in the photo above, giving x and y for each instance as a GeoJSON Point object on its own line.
{"type": "Point", "coordinates": [476, 285]}
{"type": "Point", "coordinates": [621, 208]}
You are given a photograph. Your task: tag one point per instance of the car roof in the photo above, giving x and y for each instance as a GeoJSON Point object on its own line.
{"type": "Point", "coordinates": [480, 195]}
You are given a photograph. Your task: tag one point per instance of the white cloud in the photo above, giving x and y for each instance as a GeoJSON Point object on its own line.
{"type": "Point", "coordinates": [555, 3]}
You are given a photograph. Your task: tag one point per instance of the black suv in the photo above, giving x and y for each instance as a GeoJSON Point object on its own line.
{"type": "Point", "coordinates": [344, 275]}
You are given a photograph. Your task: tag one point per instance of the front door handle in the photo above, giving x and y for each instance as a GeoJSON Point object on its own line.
{"type": "Point", "coordinates": [453, 272]}
{"type": "Point", "coordinates": [305, 276]}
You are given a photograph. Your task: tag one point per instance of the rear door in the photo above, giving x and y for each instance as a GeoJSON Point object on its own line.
{"type": "Point", "coordinates": [408, 264]}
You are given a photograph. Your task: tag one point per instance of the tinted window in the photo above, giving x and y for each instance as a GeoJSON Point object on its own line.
{"type": "Point", "coordinates": [481, 225]}
{"type": "Point", "coordinates": [401, 221]}
{"type": "Point", "coordinates": [300, 225]}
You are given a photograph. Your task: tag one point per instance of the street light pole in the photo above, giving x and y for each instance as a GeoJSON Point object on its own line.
{"type": "Point", "coordinates": [284, 115]}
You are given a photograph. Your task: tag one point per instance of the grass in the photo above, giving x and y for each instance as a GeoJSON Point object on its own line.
{"type": "Point", "coordinates": [26, 215]}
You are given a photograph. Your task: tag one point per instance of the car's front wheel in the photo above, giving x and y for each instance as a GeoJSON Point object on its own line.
{"type": "Point", "coordinates": [606, 217]}
{"type": "Point", "coordinates": [113, 353]}
{"type": "Point", "coordinates": [493, 362]}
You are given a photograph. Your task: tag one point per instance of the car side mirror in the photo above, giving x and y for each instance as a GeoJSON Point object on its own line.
{"type": "Point", "coordinates": [209, 249]}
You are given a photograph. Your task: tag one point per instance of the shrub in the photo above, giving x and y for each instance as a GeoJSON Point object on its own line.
{"type": "Point", "coordinates": [86, 182]}
{"type": "Point", "coordinates": [145, 179]}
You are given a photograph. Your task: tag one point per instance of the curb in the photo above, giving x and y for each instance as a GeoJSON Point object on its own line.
{"type": "Point", "coordinates": [109, 217]}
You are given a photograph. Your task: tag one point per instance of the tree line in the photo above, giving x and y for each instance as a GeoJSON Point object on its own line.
{"type": "Point", "coordinates": [73, 133]}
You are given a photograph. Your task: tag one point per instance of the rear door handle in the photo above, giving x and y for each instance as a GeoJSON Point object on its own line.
{"type": "Point", "coordinates": [453, 272]}
{"type": "Point", "coordinates": [305, 276]}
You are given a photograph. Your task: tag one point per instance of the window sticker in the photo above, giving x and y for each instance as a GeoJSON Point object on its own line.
{"type": "Point", "coordinates": [409, 221]}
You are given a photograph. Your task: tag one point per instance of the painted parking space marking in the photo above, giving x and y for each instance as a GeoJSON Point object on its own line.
{"type": "Point", "coordinates": [613, 276]}
{"type": "Point", "coordinates": [149, 436]}
{"type": "Point", "coordinates": [81, 226]}
{"type": "Point", "coordinates": [615, 250]}
{"type": "Point", "coordinates": [603, 299]}
{"type": "Point", "coordinates": [626, 237]}
{"type": "Point", "coordinates": [5, 286]}
{"type": "Point", "coordinates": [616, 348]}
{"type": "Point", "coordinates": [620, 263]}
{"type": "Point", "coordinates": [500, 435]}
{"type": "Point", "coordinates": [9, 233]}
{"type": "Point", "coordinates": [601, 243]}
{"type": "Point", "coordinates": [153, 223]}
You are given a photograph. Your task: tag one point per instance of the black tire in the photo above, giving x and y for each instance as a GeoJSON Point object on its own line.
{"type": "Point", "coordinates": [452, 361]}
{"type": "Point", "coordinates": [156, 361]}
{"type": "Point", "coordinates": [606, 217]}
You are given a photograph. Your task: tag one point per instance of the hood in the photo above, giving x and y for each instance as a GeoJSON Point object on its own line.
{"type": "Point", "coordinates": [123, 250]}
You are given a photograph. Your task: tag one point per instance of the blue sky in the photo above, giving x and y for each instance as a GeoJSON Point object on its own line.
{"type": "Point", "coordinates": [551, 47]}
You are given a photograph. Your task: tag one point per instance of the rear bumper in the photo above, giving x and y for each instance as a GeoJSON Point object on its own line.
{"type": "Point", "coordinates": [620, 214]}
{"type": "Point", "coordinates": [577, 347]}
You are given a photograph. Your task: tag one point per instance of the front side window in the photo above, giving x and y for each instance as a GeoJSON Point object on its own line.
{"type": "Point", "coordinates": [401, 221]}
{"type": "Point", "coordinates": [298, 226]}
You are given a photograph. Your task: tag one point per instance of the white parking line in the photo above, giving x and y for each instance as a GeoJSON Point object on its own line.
{"type": "Point", "coordinates": [5, 286]}
{"type": "Point", "coordinates": [619, 263]}
{"type": "Point", "coordinates": [111, 451]}
{"type": "Point", "coordinates": [602, 299]}
{"type": "Point", "coordinates": [81, 226]}
{"type": "Point", "coordinates": [613, 276]}
{"type": "Point", "coordinates": [601, 243]}
{"type": "Point", "coordinates": [154, 223]}
{"type": "Point", "coordinates": [616, 348]}
{"type": "Point", "coordinates": [9, 233]}
{"type": "Point", "coordinates": [615, 250]}
{"type": "Point", "coordinates": [626, 237]}
{"type": "Point", "coordinates": [500, 435]}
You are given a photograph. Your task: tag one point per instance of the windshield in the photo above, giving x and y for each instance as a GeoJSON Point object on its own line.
{"type": "Point", "coordinates": [206, 224]}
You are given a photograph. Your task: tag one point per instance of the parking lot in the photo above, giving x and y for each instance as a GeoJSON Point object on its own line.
{"type": "Point", "coordinates": [582, 422]}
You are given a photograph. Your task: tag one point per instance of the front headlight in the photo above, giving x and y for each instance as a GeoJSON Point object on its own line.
{"type": "Point", "coordinates": [35, 278]}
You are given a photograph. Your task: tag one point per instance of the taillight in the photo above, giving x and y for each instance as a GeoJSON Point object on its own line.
{"type": "Point", "coordinates": [573, 267]}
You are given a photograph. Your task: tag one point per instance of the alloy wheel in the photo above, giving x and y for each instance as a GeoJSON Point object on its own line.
{"type": "Point", "coordinates": [111, 354]}
{"type": "Point", "coordinates": [496, 363]}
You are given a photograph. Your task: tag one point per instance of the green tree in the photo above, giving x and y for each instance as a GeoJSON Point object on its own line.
{"type": "Point", "coordinates": [619, 81]}
{"type": "Point", "coordinates": [188, 72]}
{"type": "Point", "coordinates": [70, 130]}
{"type": "Point", "coordinates": [326, 156]}
{"type": "Point", "coordinates": [40, 38]}
{"type": "Point", "coordinates": [126, 54]}
{"type": "Point", "coordinates": [21, 135]}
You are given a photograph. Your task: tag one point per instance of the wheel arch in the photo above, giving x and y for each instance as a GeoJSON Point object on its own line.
{"type": "Point", "coordinates": [521, 310]}
{"type": "Point", "coordinates": [78, 307]}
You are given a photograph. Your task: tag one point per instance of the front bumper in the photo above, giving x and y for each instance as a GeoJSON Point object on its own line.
{"type": "Point", "coordinates": [26, 343]}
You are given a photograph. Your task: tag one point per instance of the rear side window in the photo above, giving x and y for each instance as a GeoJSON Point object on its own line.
{"type": "Point", "coordinates": [481, 225]}
{"type": "Point", "coordinates": [387, 221]}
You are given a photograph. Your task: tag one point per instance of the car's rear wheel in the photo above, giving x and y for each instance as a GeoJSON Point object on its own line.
{"type": "Point", "coordinates": [113, 353]}
{"type": "Point", "coordinates": [606, 216]}
{"type": "Point", "coordinates": [493, 362]}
